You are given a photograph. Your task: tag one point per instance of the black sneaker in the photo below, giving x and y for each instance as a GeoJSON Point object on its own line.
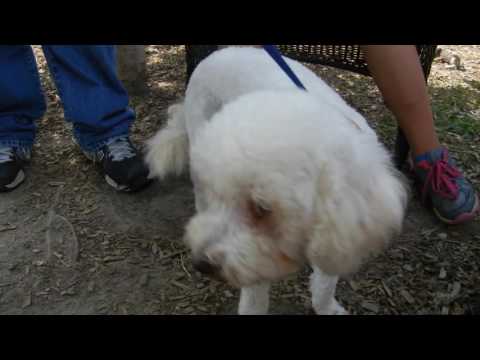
{"type": "Point", "coordinates": [122, 165]}
{"type": "Point", "coordinates": [12, 161]}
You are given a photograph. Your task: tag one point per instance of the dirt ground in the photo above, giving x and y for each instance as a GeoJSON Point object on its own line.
{"type": "Point", "coordinates": [71, 245]}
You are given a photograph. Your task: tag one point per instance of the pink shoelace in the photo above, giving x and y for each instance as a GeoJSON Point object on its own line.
{"type": "Point", "coordinates": [441, 177]}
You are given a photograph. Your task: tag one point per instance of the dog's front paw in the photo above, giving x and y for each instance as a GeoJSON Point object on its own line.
{"type": "Point", "coordinates": [254, 300]}
{"type": "Point", "coordinates": [334, 308]}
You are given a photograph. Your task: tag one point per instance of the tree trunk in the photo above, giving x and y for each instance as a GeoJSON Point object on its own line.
{"type": "Point", "coordinates": [131, 64]}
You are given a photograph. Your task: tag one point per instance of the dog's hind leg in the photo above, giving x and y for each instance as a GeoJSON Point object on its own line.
{"type": "Point", "coordinates": [200, 202]}
{"type": "Point", "coordinates": [322, 287]}
{"type": "Point", "coordinates": [254, 300]}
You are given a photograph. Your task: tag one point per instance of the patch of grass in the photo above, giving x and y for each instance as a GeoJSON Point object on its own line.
{"type": "Point", "coordinates": [463, 125]}
{"type": "Point", "coordinates": [455, 110]}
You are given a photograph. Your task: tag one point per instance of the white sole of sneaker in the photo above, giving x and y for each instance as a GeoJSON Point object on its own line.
{"type": "Point", "coordinates": [116, 186]}
{"type": "Point", "coordinates": [462, 218]}
{"type": "Point", "coordinates": [18, 180]}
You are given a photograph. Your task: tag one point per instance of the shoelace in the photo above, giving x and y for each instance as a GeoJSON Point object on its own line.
{"type": "Point", "coordinates": [120, 149]}
{"type": "Point", "coordinates": [6, 154]}
{"type": "Point", "coordinates": [441, 177]}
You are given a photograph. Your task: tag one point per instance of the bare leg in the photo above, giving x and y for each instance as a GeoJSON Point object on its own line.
{"type": "Point", "coordinates": [322, 287]}
{"type": "Point", "coordinates": [398, 73]}
{"type": "Point", "coordinates": [254, 300]}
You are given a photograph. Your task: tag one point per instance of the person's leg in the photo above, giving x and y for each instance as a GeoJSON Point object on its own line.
{"type": "Point", "coordinates": [96, 103]}
{"type": "Point", "coordinates": [94, 100]}
{"type": "Point", "coordinates": [21, 102]}
{"type": "Point", "coordinates": [397, 72]}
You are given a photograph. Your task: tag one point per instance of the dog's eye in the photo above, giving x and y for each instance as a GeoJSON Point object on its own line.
{"type": "Point", "coordinates": [259, 209]}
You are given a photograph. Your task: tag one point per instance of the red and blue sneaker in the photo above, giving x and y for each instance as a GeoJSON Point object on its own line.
{"type": "Point", "coordinates": [453, 197]}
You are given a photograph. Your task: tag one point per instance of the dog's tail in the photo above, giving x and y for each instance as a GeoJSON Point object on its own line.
{"type": "Point", "coordinates": [167, 151]}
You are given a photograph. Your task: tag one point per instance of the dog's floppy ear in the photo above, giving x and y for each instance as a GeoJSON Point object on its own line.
{"type": "Point", "coordinates": [353, 223]}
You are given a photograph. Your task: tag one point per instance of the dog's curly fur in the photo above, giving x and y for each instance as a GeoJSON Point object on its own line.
{"type": "Point", "coordinates": [282, 177]}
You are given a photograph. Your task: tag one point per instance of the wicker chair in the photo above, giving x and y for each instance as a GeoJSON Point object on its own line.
{"type": "Point", "coordinates": [347, 57]}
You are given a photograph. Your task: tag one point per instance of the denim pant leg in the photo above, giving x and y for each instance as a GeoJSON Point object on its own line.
{"type": "Point", "coordinates": [93, 97]}
{"type": "Point", "coordinates": [21, 97]}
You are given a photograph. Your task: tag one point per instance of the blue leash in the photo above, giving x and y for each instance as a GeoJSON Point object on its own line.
{"type": "Point", "coordinates": [277, 56]}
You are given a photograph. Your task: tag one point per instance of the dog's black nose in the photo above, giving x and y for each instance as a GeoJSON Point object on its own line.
{"type": "Point", "coordinates": [205, 267]}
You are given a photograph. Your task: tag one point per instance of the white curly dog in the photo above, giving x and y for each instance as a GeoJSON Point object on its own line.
{"type": "Point", "coordinates": [283, 178]}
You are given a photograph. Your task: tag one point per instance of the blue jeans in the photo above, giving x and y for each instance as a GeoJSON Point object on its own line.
{"type": "Point", "coordinates": [94, 100]}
